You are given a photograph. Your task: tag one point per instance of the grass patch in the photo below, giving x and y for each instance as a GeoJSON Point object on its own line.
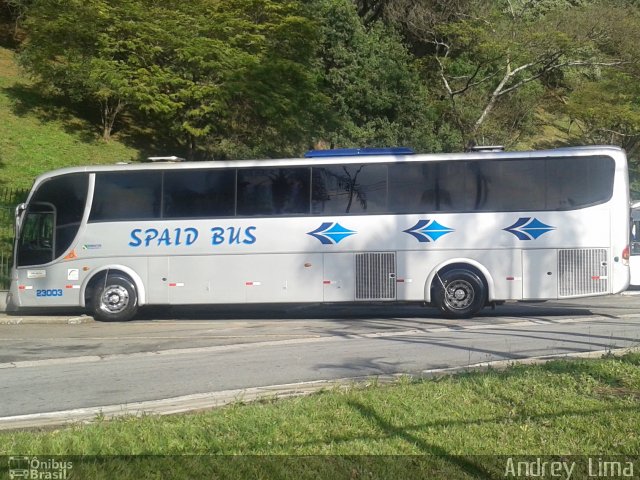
{"type": "Point", "coordinates": [38, 134]}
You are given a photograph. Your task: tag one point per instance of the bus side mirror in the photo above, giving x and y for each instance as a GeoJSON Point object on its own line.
{"type": "Point", "coordinates": [18, 215]}
{"type": "Point", "coordinates": [20, 209]}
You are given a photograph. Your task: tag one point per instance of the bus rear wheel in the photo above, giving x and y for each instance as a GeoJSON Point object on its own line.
{"type": "Point", "coordinates": [114, 300]}
{"type": "Point", "coordinates": [459, 293]}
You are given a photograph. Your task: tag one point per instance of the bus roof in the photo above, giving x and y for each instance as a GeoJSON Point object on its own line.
{"type": "Point", "coordinates": [616, 152]}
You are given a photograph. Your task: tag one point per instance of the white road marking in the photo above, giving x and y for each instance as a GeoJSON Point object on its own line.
{"type": "Point", "coordinates": [306, 339]}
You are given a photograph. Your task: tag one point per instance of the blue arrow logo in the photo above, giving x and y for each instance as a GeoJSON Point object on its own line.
{"type": "Point", "coordinates": [331, 233]}
{"type": "Point", "coordinates": [428, 230]}
{"type": "Point", "coordinates": [527, 228]}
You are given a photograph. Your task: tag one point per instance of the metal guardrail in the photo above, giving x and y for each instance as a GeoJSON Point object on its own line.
{"type": "Point", "coordinates": [9, 199]}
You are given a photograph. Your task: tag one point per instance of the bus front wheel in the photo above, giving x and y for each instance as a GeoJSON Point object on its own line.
{"type": "Point", "coordinates": [459, 293]}
{"type": "Point", "coordinates": [114, 300]}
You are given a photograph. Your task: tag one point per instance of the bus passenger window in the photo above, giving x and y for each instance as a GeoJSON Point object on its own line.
{"type": "Point", "coordinates": [574, 182]}
{"type": "Point", "coordinates": [199, 193]}
{"type": "Point", "coordinates": [349, 189]}
{"type": "Point", "coordinates": [126, 196]}
{"type": "Point", "coordinates": [511, 185]}
{"type": "Point", "coordinates": [273, 191]}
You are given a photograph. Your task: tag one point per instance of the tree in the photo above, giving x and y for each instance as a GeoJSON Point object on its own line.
{"type": "Point", "coordinates": [274, 103]}
{"type": "Point", "coordinates": [16, 11]}
{"type": "Point", "coordinates": [603, 104]}
{"type": "Point", "coordinates": [371, 10]}
{"type": "Point", "coordinates": [490, 55]}
{"type": "Point", "coordinates": [607, 111]}
{"type": "Point", "coordinates": [376, 92]}
{"type": "Point", "coordinates": [86, 51]}
{"type": "Point", "coordinates": [220, 77]}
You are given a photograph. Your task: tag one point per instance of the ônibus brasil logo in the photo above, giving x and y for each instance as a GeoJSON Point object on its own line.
{"type": "Point", "coordinates": [34, 468]}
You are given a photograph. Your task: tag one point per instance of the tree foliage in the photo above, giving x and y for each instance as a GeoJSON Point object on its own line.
{"type": "Point", "coordinates": [491, 56]}
{"type": "Point", "coordinates": [377, 94]}
{"type": "Point", "coordinates": [219, 76]}
{"type": "Point", "coordinates": [250, 78]}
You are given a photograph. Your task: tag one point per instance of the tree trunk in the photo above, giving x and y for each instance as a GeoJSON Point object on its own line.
{"type": "Point", "coordinates": [110, 109]}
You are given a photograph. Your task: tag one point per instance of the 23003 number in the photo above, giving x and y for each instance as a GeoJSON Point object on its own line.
{"type": "Point", "coordinates": [56, 292]}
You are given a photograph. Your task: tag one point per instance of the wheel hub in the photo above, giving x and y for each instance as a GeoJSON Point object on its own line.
{"type": "Point", "coordinates": [115, 299]}
{"type": "Point", "coordinates": [459, 294]}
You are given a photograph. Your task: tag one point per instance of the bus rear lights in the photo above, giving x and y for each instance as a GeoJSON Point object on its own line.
{"type": "Point", "coordinates": [626, 253]}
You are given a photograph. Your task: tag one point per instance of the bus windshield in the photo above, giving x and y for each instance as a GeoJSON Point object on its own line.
{"type": "Point", "coordinates": [52, 219]}
{"type": "Point", "coordinates": [37, 240]}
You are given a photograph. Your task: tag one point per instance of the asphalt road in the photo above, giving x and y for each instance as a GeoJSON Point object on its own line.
{"type": "Point", "coordinates": [55, 368]}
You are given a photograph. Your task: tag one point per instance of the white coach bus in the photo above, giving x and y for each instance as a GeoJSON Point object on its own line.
{"type": "Point", "coordinates": [458, 231]}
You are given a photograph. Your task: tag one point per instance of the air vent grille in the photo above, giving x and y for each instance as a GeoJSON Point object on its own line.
{"type": "Point", "coordinates": [375, 276]}
{"type": "Point", "coordinates": [583, 271]}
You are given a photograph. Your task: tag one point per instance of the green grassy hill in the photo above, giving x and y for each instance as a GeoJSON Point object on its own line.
{"type": "Point", "coordinates": [37, 134]}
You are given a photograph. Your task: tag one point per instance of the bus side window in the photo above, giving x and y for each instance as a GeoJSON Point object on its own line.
{"type": "Point", "coordinates": [273, 191]}
{"type": "Point", "coordinates": [349, 189]}
{"type": "Point", "coordinates": [199, 193]}
{"type": "Point", "coordinates": [126, 196]}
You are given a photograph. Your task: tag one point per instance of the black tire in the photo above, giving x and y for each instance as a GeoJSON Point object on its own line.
{"type": "Point", "coordinates": [459, 293]}
{"type": "Point", "coordinates": [114, 299]}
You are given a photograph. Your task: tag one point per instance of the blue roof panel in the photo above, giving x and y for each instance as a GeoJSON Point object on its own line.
{"type": "Point", "coordinates": [348, 152]}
